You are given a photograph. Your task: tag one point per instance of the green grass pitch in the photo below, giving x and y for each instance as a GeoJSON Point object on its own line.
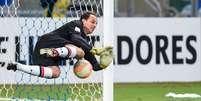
{"type": "Point", "coordinates": [122, 92]}
{"type": "Point", "coordinates": [155, 91]}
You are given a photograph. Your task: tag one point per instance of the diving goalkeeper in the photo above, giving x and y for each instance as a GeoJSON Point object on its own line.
{"type": "Point", "coordinates": [68, 41]}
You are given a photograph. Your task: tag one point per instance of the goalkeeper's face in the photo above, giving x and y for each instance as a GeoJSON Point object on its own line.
{"type": "Point", "coordinates": [89, 24]}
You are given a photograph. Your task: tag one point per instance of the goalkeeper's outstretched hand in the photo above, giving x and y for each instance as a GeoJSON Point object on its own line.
{"type": "Point", "coordinates": [99, 51]}
{"type": "Point", "coordinates": [106, 59]}
{"type": "Point", "coordinates": [106, 55]}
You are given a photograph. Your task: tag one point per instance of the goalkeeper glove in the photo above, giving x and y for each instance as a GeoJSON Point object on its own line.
{"type": "Point", "coordinates": [106, 57]}
{"type": "Point", "coordinates": [99, 51]}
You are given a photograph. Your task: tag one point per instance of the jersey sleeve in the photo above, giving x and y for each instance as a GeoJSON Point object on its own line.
{"type": "Point", "coordinates": [75, 33]}
{"type": "Point", "coordinates": [79, 41]}
{"type": "Point", "coordinates": [91, 58]}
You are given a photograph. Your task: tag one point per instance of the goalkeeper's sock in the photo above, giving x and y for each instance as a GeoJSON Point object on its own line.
{"type": "Point", "coordinates": [69, 52]}
{"type": "Point", "coordinates": [35, 70]}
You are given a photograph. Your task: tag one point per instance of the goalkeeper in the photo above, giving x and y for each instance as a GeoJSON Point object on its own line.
{"type": "Point", "coordinates": [68, 41]}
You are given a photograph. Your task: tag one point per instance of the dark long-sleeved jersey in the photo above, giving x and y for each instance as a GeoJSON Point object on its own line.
{"type": "Point", "coordinates": [74, 33]}
{"type": "Point", "coordinates": [71, 33]}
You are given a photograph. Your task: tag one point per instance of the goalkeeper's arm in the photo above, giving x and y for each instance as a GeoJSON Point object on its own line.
{"type": "Point", "coordinates": [91, 58]}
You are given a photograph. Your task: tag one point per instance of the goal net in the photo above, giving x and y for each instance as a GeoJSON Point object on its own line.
{"type": "Point", "coordinates": [23, 22]}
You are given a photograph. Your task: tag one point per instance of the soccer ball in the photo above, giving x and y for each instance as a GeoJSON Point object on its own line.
{"type": "Point", "coordinates": [83, 69]}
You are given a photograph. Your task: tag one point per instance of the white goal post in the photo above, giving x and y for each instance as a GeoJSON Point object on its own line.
{"type": "Point", "coordinates": [108, 18]}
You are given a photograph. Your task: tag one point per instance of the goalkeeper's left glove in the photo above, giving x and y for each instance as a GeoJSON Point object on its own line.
{"type": "Point", "coordinates": [106, 57]}
{"type": "Point", "coordinates": [99, 51]}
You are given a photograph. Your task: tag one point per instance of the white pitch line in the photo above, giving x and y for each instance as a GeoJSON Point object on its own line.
{"type": "Point", "coordinates": [185, 95]}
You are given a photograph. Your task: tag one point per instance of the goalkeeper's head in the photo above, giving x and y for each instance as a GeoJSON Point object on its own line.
{"type": "Point", "coordinates": [89, 21]}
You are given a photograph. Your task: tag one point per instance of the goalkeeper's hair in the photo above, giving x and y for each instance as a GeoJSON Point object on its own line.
{"type": "Point", "coordinates": [86, 15]}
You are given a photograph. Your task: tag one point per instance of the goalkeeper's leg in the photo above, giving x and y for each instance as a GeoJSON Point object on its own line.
{"type": "Point", "coordinates": [69, 51]}
{"type": "Point", "coordinates": [41, 71]}
{"type": "Point", "coordinates": [51, 69]}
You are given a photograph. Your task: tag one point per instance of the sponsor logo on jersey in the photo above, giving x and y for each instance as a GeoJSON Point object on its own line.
{"type": "Point", "coordinates": [77, 29]}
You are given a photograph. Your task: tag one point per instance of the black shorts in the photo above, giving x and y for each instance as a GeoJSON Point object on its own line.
{"type": "Point", "coordinates": [48, 41]}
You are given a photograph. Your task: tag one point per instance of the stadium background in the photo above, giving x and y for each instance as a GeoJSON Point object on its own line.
{"type": "Point", "coordinates": [135, 84]}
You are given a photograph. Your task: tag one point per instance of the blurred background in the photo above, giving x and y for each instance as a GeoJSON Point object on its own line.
{"type": "Point", "coordinates": [122, 8]}
{"type": "Point", "coordinates": [157, 8]}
